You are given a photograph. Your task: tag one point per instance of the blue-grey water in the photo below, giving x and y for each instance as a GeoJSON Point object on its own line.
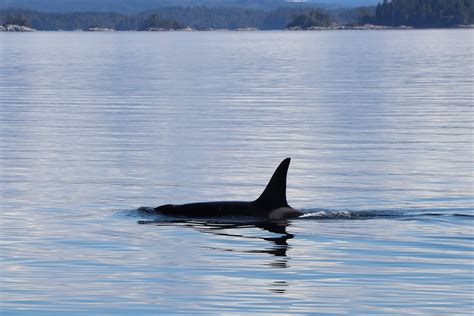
{"type": "Point", "coordinates": [379, 126]}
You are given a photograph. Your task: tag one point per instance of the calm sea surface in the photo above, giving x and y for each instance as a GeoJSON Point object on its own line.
{"type": "Point", "coordinates": [379, 125]}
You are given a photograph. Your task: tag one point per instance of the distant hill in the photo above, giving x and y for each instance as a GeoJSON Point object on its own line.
{"type": "Point", "coordinates": [136, 6]}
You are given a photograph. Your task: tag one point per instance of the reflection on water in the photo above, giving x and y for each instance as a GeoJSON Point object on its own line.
{"type": "Point", "coordinates": [279, 245]}
{"type": "Point", "coordinates": [240, 229]}
{"type": "Point", "coordinates": [379, 126]}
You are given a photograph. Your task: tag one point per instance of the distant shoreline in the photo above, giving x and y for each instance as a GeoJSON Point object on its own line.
{"type": "Point", "coordinates": [368, 27]}
{"type": "Point", "coordinates": [386, 15]}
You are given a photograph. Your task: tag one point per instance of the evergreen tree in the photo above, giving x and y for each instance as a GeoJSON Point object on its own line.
{"type": "Point", "coordinates": [153, 21]}
{"type": "Point", "coordinates": [425, 13]}
{"type": "Point", "coordinates": [314, 18]}
{"type": "Point", "coordinates": [18, 19]}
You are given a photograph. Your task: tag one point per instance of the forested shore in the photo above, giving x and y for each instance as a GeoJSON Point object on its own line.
{"type": "Point", "coordinates": [408, 13]}
{"type": "Point", "coordinates": [423, 13]}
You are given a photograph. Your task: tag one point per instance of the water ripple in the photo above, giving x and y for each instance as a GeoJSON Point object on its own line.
{"type": "Point", "coordinates": [379, 126]}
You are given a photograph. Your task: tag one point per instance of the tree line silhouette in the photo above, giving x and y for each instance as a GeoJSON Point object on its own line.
{"type": "Point", "coordinates": [416, 13]}
{"type": "Point", "coordinates": [424, 13]}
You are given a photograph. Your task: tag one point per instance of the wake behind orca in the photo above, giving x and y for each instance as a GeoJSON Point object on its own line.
{"type": "Point", "coordinates": [271, 204]}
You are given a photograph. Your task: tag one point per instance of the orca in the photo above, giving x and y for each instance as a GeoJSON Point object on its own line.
{"type": "Point", "coordinates": [271, 204]}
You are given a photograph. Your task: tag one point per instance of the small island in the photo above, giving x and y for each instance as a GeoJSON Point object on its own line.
{"type": "Point", "coordinates": [314, 20]}
{"type": "Point", "coordinates": [15, 24]}
{"type": "Point", "coordinates": [154, 23]}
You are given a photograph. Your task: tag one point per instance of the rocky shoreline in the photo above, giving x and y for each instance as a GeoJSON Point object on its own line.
{"type": "Point", "coordinates": [99, 29]}
{"type": "Point", "coordinates": [350, 27]}
{"type": "Point", "coordinates": [160, 29]}
{"type": "Point", "coordinates": [15, 28]}
{"type": "Point", "coordinates": [21, 28]}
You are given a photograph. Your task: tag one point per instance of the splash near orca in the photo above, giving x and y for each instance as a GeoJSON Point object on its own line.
{"type": "Point", "coordinates": [271, 204]}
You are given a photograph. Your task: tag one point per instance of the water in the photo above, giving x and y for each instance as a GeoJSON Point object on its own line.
{"type": "Point", "coordinates": [95, 125]}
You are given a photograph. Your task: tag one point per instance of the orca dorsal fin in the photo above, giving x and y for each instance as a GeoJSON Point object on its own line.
{"type": "Point", "coordinates": [274, 195]}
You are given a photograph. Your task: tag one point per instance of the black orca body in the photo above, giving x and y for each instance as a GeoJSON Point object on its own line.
{"type": "Point", "coordinates": [271, 204]}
